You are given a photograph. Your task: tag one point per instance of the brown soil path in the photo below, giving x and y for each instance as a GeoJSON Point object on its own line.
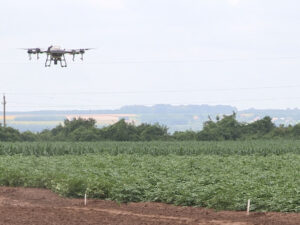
{"type": "Point", "coordinates": [39, 207]}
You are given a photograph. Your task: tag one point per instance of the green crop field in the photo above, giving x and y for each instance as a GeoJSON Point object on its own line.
{"type": "Point", "coordinates": [219, 175]}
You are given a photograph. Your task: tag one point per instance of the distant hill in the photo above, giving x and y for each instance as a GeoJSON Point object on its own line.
{"type": "Point", "coordinates": [279, 116]}
{"type": "Point", "coordinates": [183, 117]}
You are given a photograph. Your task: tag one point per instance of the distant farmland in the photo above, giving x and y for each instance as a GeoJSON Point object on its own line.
{"type": "Point", "coordinates": [39, 122]}
{"type": "Point", "coordinates": [176, 118]}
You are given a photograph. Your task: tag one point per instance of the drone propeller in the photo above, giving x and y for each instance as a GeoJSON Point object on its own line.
{"type": "Point", "coordinates": [38, 51]}
{"type": "Point", "coordinates": [80, 51]}
{"type": "Point", "coordinates": [30, 51]}
{"type": "Point", "coordinates": [33, 50]}
{"type": "Point", "coordinates": [73, 53]}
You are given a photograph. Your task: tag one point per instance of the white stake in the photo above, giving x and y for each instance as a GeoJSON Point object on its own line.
{"type": "Point", "coordinates": [248, 207]}
{"type": "Point", "coordinates": [85, 199]}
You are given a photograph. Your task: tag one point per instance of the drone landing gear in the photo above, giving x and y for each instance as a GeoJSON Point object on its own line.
{"type": "Point", "coordinates": [63, 62]}
{"type": "Point", "coordinates": [48, 62]}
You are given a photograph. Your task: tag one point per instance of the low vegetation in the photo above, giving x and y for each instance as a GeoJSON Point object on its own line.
{"type": "Point", "coordinates": [154, 148]}
{"type": "Point", "coordinates": [220, 175]}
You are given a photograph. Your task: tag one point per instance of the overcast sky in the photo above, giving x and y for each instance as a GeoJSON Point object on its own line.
{"type": "Point", "coordinates": [245, 53]}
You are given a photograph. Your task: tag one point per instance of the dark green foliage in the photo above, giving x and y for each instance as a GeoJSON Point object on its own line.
{"type": "Point", "coordinates": [149, 132]}
{"type": "Point", "coordinates": [259, 129]}
{"type": "Point", "coordinates": [28, 136]}
{"type": "Point", "coordinates": [75, 130]}
{"type": "Point", "coordinates": [185, 135]}
{"type": "Point", "coordinates": [296, 130]}
{"type": "Point", "coordinates": [225, 128]}
{"type": "Point", "coordinates": [9, 134]}
{"type": "Point", "coordinates": [85, 130]}
{"type": "Point", "coordinates": [120, 131]}
{"type": "Point", "coordinates": [228, 128]}
{"type": "Point", "coordinates": [82, 134]}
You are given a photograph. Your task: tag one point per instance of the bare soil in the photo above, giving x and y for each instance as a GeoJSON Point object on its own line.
{"type": "Point", "coordinates": [38, 207]}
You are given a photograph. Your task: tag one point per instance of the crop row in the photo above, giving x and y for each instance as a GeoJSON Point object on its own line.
{"type": "Point", "coordinates": [258, 147]}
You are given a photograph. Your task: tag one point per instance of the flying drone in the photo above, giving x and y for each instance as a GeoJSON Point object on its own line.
{"type": "Point", "coordinates": [55, 54]}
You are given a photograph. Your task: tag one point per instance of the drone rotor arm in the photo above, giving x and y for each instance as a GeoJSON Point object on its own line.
{"type": "Point", "coordinates": [31, 51]}
{"type": "Point", "coordinates": [73, 52]}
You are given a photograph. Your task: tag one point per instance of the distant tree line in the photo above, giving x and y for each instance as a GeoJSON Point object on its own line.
{"type": "Point", "coordinates": [225, 128]}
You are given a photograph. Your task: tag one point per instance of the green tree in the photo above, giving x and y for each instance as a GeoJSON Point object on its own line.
{"type": "Point", "coordinates": [185, 135]}
{"type": "Point", "coordinates": [150, 132]}
{"type": "Point", "coordinates": [259, 129]}
{"type": "Point", "coordinates": [83, 134]}
{"type": "Point", "coordinates": [28, 136]}
{"type": "Point", "coordinates": [227, 128]}
{"type": "Point", "coordinates": [121, 131]}
{"type": "Point", "coordinates": [9, 134]}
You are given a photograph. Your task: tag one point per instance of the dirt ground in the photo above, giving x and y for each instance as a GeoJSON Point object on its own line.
{"type": "Point", "coordinates": [39, 207]}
